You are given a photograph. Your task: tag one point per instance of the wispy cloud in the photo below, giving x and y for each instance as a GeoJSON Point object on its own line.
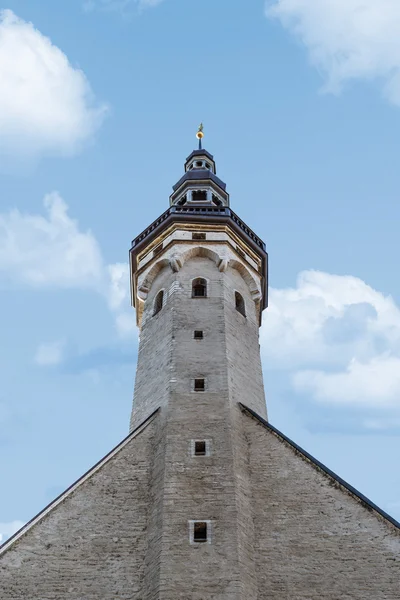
{"type": "Point", "coordinates": [46, 105]}
{"type": "Point", "coordinates": [51, 251]}
{"type": "Point", "coordinates": [50, 353]}
{"type": "Point", "coordinates": [8, 529]}
{"type": "Point", "coordinates": [121, 6]}
{"type": "Point", "coordinates": [48, 250]}
{"type": "Point", "coordinates": [347, 39]}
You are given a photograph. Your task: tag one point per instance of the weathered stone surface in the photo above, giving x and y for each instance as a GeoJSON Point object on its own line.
{"type": "Point", "coordinates": [313, 539]}
{"type": "Point", "coordinates": [91, 545]}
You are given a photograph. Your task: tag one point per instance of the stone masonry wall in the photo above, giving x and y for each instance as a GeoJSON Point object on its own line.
{"type": "Point", "coordinates": [313, 540]}
{"type": "Point", "coordinates": [93, 544]}
{"type": "Point", "coordinates": [197, 488]}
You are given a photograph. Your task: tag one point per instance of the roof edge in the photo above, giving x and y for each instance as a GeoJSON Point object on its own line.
{"type": "Point", "coordinates": [349, 488]}
{"type": "Point", "coordinates": [76, 484]}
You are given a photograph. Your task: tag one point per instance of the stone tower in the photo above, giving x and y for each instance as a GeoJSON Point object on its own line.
{"type": "Point", "coordinates": [199, 287]}
{"type": "Point", "coordinates": [204, 499]}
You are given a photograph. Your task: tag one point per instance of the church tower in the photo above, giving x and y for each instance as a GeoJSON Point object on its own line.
{"type": "Point", "coordinates": [204, 499]}
{"type": "Point", "coordinates": [199, 286]}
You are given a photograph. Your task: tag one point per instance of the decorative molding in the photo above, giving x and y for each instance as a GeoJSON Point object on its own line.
{"type": "Point", "coordinates": [175, 264]}
{"type": "Point", "coordinates": [223, 265]}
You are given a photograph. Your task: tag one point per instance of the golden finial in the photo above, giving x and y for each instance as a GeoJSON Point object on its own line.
{"type": "Point", "coordinates": [200, 134]}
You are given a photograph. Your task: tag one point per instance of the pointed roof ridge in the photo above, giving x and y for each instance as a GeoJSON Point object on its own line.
{"type": "Point", "coordinates": [40, 515]}
{"type": "Point", "coordinates": [366, 502]}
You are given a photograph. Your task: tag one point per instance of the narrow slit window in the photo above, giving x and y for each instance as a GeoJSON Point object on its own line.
{"type": "Point", "coordinates": [158, 302]}
{"type": "Point", "coordinates": [198, 236]}
{"type": "Point", "coordinates": [199, 385]}
{"type": "Point", "coordinates": [239, 301]}
{"type": "Point", "coordinates": [200, 531]}
{"type": "Point", "coordinates": [198, 334]}
{"type": "Point", "coordinates": [199, 288]}
{"type": "Point", "coordinates": [200, 448]}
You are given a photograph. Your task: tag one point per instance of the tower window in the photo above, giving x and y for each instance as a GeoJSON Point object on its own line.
{"type": "Point", "coordinates": [239, 302]}
{"type": "Point", "coordinates": [199, 195]}
{"type": "Point", "coordinates": [208, 166]}
{"type": "Point", "coordinates": [200, 531]}
{"type": "Point", "coordinates": [198, 236]}
{"type": "Point", "coordinates": [198, 334]}
{"type": "Point", "coordinates": [157, 250]}
{"type": "Point", "coordinates": [199, 163]}
{"type": "Point", "coordinates": [182, 201]}
{"type": "Point", "coordinates": [200, 448]}
{"type": "Point", "coordinates": [199, 385]}
{"type": "Point", "coordinates": [216, 200]}
{"type": "Point", "coordinates": [199, 288]}
{"type": "Point", "coordinates": [158, 302]}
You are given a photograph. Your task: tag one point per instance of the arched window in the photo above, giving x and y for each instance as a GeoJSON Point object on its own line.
{"type": "Point", "coordinates": [199, 288]}
{"type": "Point", "coordinates": [158, 302]}
{"type": "Point", "coordinates": [239, 301]}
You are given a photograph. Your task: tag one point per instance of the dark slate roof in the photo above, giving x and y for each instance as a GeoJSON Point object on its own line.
{"type": "Point", "coordinates": [201, 152]}
{"type": "Point", "coordinates": [368, 504]}
{"type": "Point", "coordinates": [196, 174]}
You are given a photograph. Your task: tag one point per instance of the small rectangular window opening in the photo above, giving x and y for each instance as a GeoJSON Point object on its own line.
{"type": "Point", "coordinates": [200, 531]}
{"type": "Point", "coordinates": [199, 385]}
{"type": "Point", "coordinates": [198, 236]}
{"type": "Point", "coordinates": [200, 448]}
{"type": "Point", "coordinates": [198, 334]}
{"type": "Point", "coordinates": [199, 195]}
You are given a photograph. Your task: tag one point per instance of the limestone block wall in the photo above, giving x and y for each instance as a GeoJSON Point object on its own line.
{"type": "Point", "coordinates": [313, 540]}
{"type": "Point", "coordinates": [93, 544]}
{"type": "Point", "coordinates": [242, 346]}
{"type": "Point", "coordinates": [239, 342]}
{"type": "Point", "coordinates": [199, 488]}
{"type": "Point", "coordinates": [214, 488]}
{"type": "Point", "coordinates": [154, 364]}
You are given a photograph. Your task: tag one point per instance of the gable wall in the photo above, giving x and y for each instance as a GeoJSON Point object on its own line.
{"type": "Point", "coordinates": [93, 544]}
{"type": "Point", "coordinates": [313, 540]}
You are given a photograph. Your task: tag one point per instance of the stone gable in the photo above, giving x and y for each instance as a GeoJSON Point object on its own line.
{"type": "Point", "coordinates": [91, 544]}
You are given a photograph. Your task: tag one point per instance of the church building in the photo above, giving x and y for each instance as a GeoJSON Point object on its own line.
{"type": "Point", "coordinates": [204, 499]}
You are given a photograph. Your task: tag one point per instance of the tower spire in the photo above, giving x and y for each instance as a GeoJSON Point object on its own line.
{"type": "Point", "coordinates": [200, 135]}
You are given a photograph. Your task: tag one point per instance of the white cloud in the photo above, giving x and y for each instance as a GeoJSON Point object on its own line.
{"type": "Point", "coordinates": [8, 529]}
{"type": "Point", "coordinates": [327, 319]}
{"type": "Point", "coordinates": [48, 250]}
{"type": "Point", "coordinates": [375, 383]}
{"type": "Point", "coordinates": [338, 337]}
{"type": "Point", "coordinates": [50, 353]}
{"type": "Point", "coordinates": [119, 298]}
{"type": "Point", "coordinates": [46, 105]}
{"type": "Point", "coordinates": [51, 251]}
{"type": "Point", "coordinates": [347, 39]}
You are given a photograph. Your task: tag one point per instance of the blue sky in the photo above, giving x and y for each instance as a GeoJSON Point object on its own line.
{"type": "Point", "coordinates": [99, 104]}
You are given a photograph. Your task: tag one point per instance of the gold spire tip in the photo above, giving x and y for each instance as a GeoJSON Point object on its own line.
{"type": "Point", "coordinates": [200, 133]}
